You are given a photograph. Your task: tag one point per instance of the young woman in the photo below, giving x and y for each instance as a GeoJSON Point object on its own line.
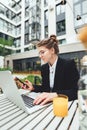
{"type": "Point", "coordinates": [59, 76]}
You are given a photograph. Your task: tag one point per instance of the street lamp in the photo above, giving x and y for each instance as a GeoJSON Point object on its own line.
{"type": "Point", "coordinates": [82, 24]}
{"type": "Point", "coordinates": [63, 2]}
{"type": "Point", "coordinates": [78, 17]}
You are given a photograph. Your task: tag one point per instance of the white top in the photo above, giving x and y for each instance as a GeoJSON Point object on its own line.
{"type": "Point", "coordinates": [52, 73]}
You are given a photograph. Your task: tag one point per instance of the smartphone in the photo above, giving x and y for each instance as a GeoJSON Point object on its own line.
{"type": "Point", "coordinates": [24, 85]}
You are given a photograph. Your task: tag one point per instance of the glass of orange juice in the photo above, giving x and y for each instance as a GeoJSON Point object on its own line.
{"type": "Point", "coordinates": [60, 105]}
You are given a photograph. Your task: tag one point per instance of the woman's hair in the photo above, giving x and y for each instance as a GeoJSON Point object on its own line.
{"type": "Point", "coordinates": [49, 43]}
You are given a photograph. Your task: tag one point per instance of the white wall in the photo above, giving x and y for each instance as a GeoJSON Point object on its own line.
{"type": "Point", "coordinates": [51, 17]}
{"type": "Point", "coordinates": [70, 31]}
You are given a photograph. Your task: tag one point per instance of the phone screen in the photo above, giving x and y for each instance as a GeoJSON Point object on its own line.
{"type": "Point", "coordinates": [24, 85]}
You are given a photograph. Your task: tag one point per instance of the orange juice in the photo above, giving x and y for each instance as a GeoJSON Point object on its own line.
{"type": "Point", "coordinates": [82, 36]}
{"type": "Point", "coordinates": [60, 106]}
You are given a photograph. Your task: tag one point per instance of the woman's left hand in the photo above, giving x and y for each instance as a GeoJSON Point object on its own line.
{"type": "Point", "coordinates": [44, 98]}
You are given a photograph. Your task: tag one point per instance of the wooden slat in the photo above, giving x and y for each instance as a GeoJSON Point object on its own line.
{"type": "Point", "coordinates": [4, 105]}
{"type": "Point", "coordinates": [9, 113]}
{"type": "Point", "coordinates": [47, 120]}
{"type": "Point", "coordinates": [75, 122]}
{"type": "Point", "coordinates": [38, 119]}
{"type": "Point", "coordinates": [9, 118]}
{"type": "Point", "coordinates": [2, 101]}
{"type": "Point", "coordinates": [1, 96]}
{"type": "Point", "coordinates": [68, 118]}
{"type": "Point", "coordinates": [41, 125]}
{"type": "Point", "coordinates": [54, 123]}
{"type": "Point", "coordinates": [26, 120]}
{"type": "Point", "coordinates": [7, 110]}
{"type": "Point", "coordinates": [13, 120]}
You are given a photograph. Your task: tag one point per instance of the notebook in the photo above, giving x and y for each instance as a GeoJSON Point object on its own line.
{"type": "Point", "coordinates": [11, 92]}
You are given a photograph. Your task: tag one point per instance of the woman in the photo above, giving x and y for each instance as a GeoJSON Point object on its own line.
{"type": "Point", "coordinates": [59, 76]}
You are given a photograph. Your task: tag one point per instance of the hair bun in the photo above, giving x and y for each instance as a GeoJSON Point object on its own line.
{"type": "Point", "coordinates": [53, 37]}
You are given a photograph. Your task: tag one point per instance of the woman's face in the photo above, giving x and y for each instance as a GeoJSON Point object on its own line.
{"type": "Point", "coordinates": [46, 54]}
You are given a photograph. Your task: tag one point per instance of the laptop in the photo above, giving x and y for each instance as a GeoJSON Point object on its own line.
{"type": "Point", "coordinates": [10, 90]}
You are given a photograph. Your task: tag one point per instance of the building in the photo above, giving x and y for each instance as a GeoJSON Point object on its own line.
{"type": "Point", "coordinates": [28, 21]}
{"type": "Point", "coordinates": [1, 61]}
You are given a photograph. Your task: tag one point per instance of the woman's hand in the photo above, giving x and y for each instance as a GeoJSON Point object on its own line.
{"type": "Point", "coordinates": [19, 84]}
{"type": "Point", "coordinates": [44, 98]}
{"type": "Point", "coordinates": [29, 85]}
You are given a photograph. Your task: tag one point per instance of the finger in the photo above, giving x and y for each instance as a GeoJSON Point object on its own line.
{"type": "Point", "coordinates": [44, 102]}
{"type": "Point", "coordinates": [27, 82]}
{"type": "Point", "coordinates": [38, 100]}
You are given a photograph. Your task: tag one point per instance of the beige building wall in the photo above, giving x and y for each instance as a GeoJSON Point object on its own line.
{"type": "Point", "coordinates": [27, 54]}
{"type": "Point", "coordinates": [72, 47]}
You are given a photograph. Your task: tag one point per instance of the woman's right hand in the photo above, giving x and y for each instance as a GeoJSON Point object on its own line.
{"type": "Point", "coordinates": [29, 85]}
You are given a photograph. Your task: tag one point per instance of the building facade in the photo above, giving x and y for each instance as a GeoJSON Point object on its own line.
{"type": "Point", "coordinates": [28, 21]}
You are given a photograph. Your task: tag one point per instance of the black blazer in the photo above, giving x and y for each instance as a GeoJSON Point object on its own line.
{"type": "Point", "coordinates": [65, 81]}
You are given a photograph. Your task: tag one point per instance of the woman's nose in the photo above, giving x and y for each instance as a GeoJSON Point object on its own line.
{"type": "Point", "coordinates": [40, 56]}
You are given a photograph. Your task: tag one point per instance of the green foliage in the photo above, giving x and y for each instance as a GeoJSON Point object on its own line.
{"type": "Point", "coordinates": [6, 42]}
{"type": "Point", "coordinates": [4, 51]}
{"type": "Point", "coordinates": [34, 79]}
{"type": "Point", "coordinates": [2, 69]}
{"type": "Point", "coordinates": [3, 42]}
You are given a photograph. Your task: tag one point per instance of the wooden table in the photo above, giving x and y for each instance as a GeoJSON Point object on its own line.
{"type": "Point", "coordinates": [12, 118]}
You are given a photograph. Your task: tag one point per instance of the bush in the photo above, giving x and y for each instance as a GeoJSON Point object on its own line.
{"type": "Point", "coordinates": [2, 69]}
{"type": "Point", "coordinates": [34, 79]}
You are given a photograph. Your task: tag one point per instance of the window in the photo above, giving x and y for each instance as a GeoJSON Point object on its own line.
{"type": "Point", "coordinates": [1, 24]}
{"type": "Point", "coordinates": [46, 15]}
{"type": "Point", "coordinates": [80, 9]}
{"type": "Point", "coordinates": [46, 31]}
{"type": "Point", "coordinates": [18, 18]}
{"type": "Point", "coordinates": [84, 18]}
{"type": "Point", "coordinates": [75, 1]}
{"type": "Point", "coordinates": [17, 42]}
{"type": "Point", "coordinates": [8, 63]}
{"type": "Point", "coordinates": [26, 12]}
{"type": "Point", "coordinates": [45, 2]}
{"type": "Point", "coordinates": [60, 27]}
{"type": "Point", "coordinates": [84, 7]}
{"type": "Point", "coordinates": [26, 39]}
{"type": "Point", "coordinates": [60, 9]}
{"type": "Point", "coordinates": [77, 10]}
{"type": "Point", "coordinates": [26, 27]}
{"type": "Point", "coordinates": [17, 6]}
{"type": "Point", "coordinates": [26, 2]}
{"type": "Point", "coordinates": [33, 27]}
{"type": "Point", "coordinates": [57, 10]}
{"type": "Point", "coordinates": [62, 41]}
{"type": "Point", "coordinates": [18, 30]}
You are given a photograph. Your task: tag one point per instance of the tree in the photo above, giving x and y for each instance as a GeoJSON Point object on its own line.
{"type": "Point", "coordinates": [4, 46]}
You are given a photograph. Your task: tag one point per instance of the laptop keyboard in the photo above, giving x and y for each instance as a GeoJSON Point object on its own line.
{"type": "Point", "coordinates": [28, 100]}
